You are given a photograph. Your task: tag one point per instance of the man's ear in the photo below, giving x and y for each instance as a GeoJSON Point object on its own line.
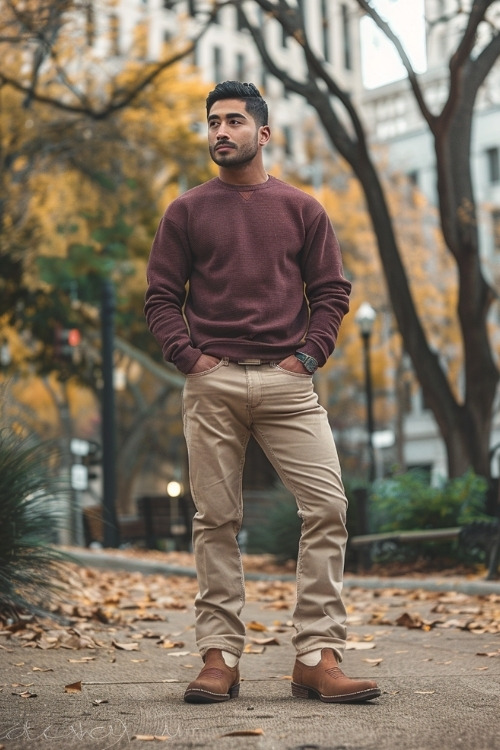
{"type": "Point", "coordinates": [264, 135]}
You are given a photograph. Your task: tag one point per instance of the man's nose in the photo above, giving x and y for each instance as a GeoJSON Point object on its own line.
{"type": "Point", "coordinates": [221, 133]}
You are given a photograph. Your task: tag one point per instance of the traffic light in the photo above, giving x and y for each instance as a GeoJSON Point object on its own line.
{"type": "Point", "coordinates": [67, 342]}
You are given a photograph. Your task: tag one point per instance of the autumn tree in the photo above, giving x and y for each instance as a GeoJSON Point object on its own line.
{"type": "Point", "coordinates": [85, 141]}
{"type": "Point", "coordinates": [433, 285]}
{"type": "Point", "coordinates": [87, 165]}
{"type": "Point", "coordinates": [465, 420]}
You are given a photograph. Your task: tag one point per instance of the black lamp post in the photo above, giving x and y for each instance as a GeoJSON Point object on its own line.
{"type": "Point", "coordinates": [365, 318]}
{"type": "Point", "coordinates": [111, 532]}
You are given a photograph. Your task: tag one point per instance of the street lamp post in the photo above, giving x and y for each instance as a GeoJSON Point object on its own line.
{"type": "Point", "coordinates": [365, 318]}
{"type": "Point", "coordinates": [111, 532]}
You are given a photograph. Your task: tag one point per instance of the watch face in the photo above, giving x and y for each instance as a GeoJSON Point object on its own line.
{"type": "Point", "coordinates": [309, 362]}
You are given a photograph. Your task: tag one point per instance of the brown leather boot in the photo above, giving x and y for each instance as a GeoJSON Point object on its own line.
{"type": "Point", "coordinates": [216, 682]}
{"type": "Point", "coordinates": [327, 682]}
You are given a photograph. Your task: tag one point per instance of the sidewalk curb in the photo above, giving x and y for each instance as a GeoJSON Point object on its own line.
{"type": "Point", "coordinates": [149, 567]}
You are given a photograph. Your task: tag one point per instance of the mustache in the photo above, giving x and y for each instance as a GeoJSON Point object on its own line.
{"type": "Point", "coordinates": [225, 144]}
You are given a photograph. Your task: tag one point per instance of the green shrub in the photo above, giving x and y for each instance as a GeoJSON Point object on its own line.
{"type": "Point", "coordinates": [29, 493]}
{"type": "Point", "coordinates": [280, 534]}
{"type": "Point", "coordinates": [407, 502]}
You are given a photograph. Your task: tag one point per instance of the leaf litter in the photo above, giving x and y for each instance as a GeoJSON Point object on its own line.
{"type": "Point", "coordinates": [104, 601]}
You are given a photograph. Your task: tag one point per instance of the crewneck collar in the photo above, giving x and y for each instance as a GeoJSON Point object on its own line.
{"type": "Point", "coordinates": [243, 188]}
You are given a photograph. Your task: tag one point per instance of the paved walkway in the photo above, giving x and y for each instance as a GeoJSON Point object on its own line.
{"type": "Point", "coordinates": [440, 686]}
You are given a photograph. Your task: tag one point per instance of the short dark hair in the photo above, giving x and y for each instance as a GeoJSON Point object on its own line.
{"type": "Point", "coordinates": [248, 92]}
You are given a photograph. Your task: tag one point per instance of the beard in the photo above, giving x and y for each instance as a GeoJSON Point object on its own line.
{"type": "Point", "coordinates": [237, 156]}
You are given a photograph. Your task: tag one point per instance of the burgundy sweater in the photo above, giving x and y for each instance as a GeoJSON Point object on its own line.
{"type": "Point", "coordinates": [248, 253]}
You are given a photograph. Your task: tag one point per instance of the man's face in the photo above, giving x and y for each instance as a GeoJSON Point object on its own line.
{"type": "Point", "coordinates": [233, 135]}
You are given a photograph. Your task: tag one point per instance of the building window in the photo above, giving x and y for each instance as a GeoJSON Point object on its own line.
{"type": "Point", "coordinates": [346, 36]}
{"type": "Point", "coordinates": [263, 80]}
{"type": "Point", "coordinates": [240, 67]}
{"type": "Point", "coordinates": [325, 29]}
{"type": "Point", "coordinates": [287, 140]}
{"type": "Point", "coordinates": [217, 64]}
{"type": "Point", "coordinates": [90, 24]}
{"type": "Point", "coordinates": [495, 228]}
{"type": "Point", "coordinates": [413, 177]}
{"type": "Point", "coordinates": [240, 19]}
{"type": "Point", "coordinates": [493, 160]}
{"type": "Point", "coordinates": [284, 37]}
{"type": "Point", "coordinates": [114, 35]}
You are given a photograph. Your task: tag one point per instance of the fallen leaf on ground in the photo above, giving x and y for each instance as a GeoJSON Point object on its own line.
{"type": "Point", "coordinates": [126, 646]}
{"type": "Point", "coordinates": [250, 648]}
{"type": "Point", "coordinates": [373, 662]}
{"type": "Point", "coordinates": [410, 621]}
{"type": "Point", "coordinates": [150, 737]}
{"type": "Point", "coordinates": [243, 733]}
{"type": "Point", "coordinates": [74, 687]}
{"type": "Point", "coordinates": [83, 660]}
{"type": "Point", "coordinates": [98, 701]}
{"type": "Point", "coordinates": [165, 643]}
{"type": "Point", "coordinates": [265, 641]}
{"type": "Point", "coordinates": [253, 625]}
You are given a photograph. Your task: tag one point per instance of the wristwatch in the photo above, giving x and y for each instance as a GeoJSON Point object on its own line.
{"type": "Point", "coordinates": [309, 362]}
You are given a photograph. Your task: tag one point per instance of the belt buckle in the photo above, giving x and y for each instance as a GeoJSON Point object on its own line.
{"type": "Point", "coordinates": [255, 362]}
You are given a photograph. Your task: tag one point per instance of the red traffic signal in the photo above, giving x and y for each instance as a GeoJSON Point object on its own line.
{"type": "Point", "coordinates": [73, 336]}
{"type": "Point", "coordinates": [66, 342]}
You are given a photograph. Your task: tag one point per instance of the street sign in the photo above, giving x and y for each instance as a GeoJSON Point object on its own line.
{"type": "Point", "coordinates": [79, 447]}
{"type": "Point", "coordinates": [79, 477]}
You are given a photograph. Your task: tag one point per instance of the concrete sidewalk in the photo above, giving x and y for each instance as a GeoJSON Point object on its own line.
{"type": "Point", "coordinates": [440, 688]}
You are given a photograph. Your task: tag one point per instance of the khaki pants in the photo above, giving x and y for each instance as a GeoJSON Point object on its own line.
{"type": "Point", "coordinates": [222, 408]}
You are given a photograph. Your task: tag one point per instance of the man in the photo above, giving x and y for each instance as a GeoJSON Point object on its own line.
{"type": "Point", "coordinates": [245, 296]}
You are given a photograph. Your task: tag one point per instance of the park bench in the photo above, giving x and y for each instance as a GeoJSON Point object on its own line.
{"type": "Point", "coordinates": [158, 518]}
{"type": "Point", "coordinates": [479, 534]}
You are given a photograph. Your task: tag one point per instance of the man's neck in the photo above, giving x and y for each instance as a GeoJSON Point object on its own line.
{"type": "Point", "coordinates": [250, 174]}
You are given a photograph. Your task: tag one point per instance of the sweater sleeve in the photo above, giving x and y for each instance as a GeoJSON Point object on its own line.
{"type": "Point", "coordinates": [167, 276]}
{"type": "Point", "coordinates": [327, 290]}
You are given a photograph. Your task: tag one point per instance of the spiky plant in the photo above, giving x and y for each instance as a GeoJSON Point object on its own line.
{"type": "Point", "coordinates": [30, 566]}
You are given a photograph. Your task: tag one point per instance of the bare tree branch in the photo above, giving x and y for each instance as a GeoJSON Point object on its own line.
{"type": "Point", "coordinates": [412, 76]}
{"type": "Point", "coordinates": [119, 98]}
